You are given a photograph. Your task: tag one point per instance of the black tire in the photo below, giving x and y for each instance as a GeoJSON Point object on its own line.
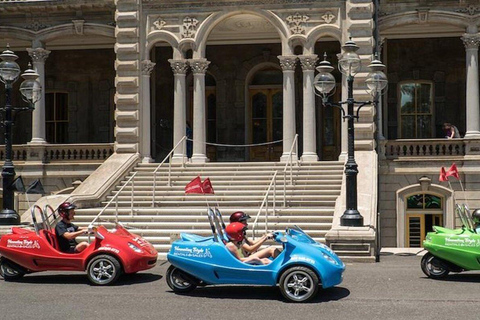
{"type": "Point", "coordinates": [104, 270]}
{"type": "Point", "coordinates": [179, 281]}
{"type": "Point", "coordinates": [299, 284]}
{"type": "Point", "coordinates": [432, 267]}
{"type": "Point", "coordinates": [9, 270]}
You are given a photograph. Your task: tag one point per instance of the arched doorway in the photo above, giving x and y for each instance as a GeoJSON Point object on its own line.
{"type": "Point", "coordinates": [266, 110]}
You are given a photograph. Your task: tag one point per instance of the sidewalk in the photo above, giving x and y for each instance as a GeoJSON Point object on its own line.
{"type": "Point", "coordinates": [403, 251]}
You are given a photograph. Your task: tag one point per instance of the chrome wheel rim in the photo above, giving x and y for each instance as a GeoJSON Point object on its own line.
{"type": "Point", "coordinates": [434, 270]}
{"type": "Point", "coordinates": [102, 271]}
{"type": "Point", "coordinates": [9, 271]}
{"type": "Point", "coordinates": [179, 281]}
{"type": "Point", "coordinates": [298, 285]}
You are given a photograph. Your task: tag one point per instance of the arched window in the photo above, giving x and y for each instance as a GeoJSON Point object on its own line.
{"type": "Point", "coordinates": [416, 110]}
{"type": "Point", "coordinates": [423, 211]}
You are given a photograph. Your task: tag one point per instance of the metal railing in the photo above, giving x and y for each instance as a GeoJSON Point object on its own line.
{"type": "Point", "coordinates": [273, 183]}
{"type": "Point", "coordinates": [169, 157]}
{"type": "Point", "coordinates": [115, 197]}
{"type": "Point", "coordinates": [289, 164]}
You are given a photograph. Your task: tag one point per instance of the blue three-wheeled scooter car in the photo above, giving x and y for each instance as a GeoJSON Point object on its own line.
{"type": "Point", "coordinates": [299, 269]}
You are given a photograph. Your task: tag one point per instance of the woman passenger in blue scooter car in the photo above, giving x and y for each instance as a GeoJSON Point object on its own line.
{"type": "Point", "coordinates": [250, 247]}
{"type": "Point", "coordinates": [236, 233]}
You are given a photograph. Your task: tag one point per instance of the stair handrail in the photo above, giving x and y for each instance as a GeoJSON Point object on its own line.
{"type": "Point", "coordinates": [273, 183]}
{"type": "Point", "coordinates": [169, 156]}
{"type": "Point", "coordinates": [287, 165]}
{"type": "Point", "coordinates": [115, 197]}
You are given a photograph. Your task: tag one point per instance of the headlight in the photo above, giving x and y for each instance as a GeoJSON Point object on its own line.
{"type": "Point", "coordinates": [330, 259]}
{"type": "Point", "coordinates": [134, 247]}
{"type": "Point", "coordinates": [428, 238]}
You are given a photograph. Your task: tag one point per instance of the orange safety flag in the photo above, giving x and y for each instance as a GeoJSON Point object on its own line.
{"type": "Point", "coordinates": [443, 175]}
{"type": "Point", "coordinates": [194, 186]}
{"type": "Point", "coordinates": [453, 171]}
{"type": "Point", "coordinates": [207, 186]}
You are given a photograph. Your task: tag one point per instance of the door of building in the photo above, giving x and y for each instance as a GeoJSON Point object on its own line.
{"type": "Point", "coordinates": [423, 212]}
{"type": "Point", "coordinates": [266, 123]}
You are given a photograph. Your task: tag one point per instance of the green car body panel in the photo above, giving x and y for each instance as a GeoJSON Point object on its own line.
{"type": "Point", "coordinates": [458, 246]}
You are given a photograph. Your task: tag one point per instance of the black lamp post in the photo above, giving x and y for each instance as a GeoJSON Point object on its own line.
{"type": "Point", "coordinates": [31, 92]}
{"type": "Point", "coordinates": [325, 83]}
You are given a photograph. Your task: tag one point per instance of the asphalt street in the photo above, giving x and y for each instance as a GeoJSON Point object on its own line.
{"type": "Point", "coordinates": [394, 288]}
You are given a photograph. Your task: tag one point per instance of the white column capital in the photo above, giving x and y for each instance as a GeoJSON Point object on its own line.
{"type": "Point", "coordinates": [288, 63]}
{"type": "Point", "coordinates": [147, 67]}
{"type": "Point", "coordinates": [178, 66]}
{"type": "Point", "coordinates": [199, 66]}
{"type": "Point", "coordinates": [38, 54]}
{"type": "Point", "coordinates": [308, 62]}
{"type": "Point", "coordinates": [471, 40]}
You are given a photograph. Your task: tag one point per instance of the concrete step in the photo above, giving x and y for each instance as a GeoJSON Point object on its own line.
{"type": "Point", "coordinates": [234, 188]}
{"type": "Point", "coordinates": [222, 197]}
{"type": "Point", "coordinates": [224, 203]}
{"type": "Point", "coordinates": [149, 221]}
{"type": "Point", "coordinates": [202, 211]}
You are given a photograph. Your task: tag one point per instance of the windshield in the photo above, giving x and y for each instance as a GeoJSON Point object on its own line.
{"type": "Point", "coordinates": [297, 232]}
{"type": "Point", "coordinates": [465, 217]}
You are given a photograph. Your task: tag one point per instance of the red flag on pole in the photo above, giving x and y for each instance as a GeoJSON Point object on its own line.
{"type": "Point", "coordinates": [194, 186]}
{"type": "Point", "coordinates": [443, 175]}
{"type": "Point", "coordinates": [453, 171]}
{"type": "Point", "coordinates": [207, 186]}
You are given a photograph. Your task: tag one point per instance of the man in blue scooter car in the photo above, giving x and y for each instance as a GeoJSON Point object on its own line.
{"type": "Point", "coordinates": [250, 247]}
{"type": "Point", "coordinates": [66, 231]}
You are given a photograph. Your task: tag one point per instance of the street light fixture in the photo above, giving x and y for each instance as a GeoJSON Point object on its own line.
{"type": "Point", "coordinates": [31, 93]}
{"type": "Point", "coordinates": [324, 82]}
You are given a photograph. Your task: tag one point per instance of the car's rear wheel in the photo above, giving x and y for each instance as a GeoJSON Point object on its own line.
{"type": "Point", "coordinates": [179, 281]}
{"type": "Point", "coordinates": [432, 267]}
{"type": "Point", "coordinates": [298, 284]}
{"type": "Point", "coordinates": [103, 270]}
{"type": "Point", "coordinates": [9, 270]}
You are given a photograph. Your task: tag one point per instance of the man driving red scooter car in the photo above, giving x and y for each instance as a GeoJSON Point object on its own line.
{"type": "Point", "coordinates": [66, 231]}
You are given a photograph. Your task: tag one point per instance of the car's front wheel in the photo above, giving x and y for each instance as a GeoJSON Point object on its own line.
{"type": "Point", "coordinates": [298, 284]}
{"type": "Point", "coordinates": [179, 281]}
{"type": "Point", "coordinates": [103, 270]}
{"type": "Point", "coordinates": [9, 270]}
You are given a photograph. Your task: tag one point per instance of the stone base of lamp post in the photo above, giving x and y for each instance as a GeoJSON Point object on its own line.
{"type": "Point", "coordinates": [9, 217]}
{"type": "Point", "coordinates": [352, 243]}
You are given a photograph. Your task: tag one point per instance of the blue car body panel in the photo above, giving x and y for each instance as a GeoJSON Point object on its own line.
{"type": "Point", "coordinates": [210, 261]}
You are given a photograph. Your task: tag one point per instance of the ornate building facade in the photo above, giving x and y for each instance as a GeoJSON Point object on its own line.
{"type": "Point", "coordinates": [128, 77]}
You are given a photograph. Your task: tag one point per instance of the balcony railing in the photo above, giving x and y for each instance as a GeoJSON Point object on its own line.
{"type": "Point", "coordinates": [60, 152]}
{"type": "Point", "coordinates": [416, 148]}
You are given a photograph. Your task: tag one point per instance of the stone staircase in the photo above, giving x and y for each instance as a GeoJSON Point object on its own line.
{"type": "Point", "coordinates": [310, 201]}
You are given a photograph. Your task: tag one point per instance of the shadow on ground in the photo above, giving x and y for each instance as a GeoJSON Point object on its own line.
{"type": "Point", "coordinates": [263, 293]}
{"type": "Point", "coordinates": [81, 278]}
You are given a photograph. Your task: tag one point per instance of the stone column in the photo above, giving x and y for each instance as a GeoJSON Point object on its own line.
{"type": "Point", "coordinates": [309, 123]}
{"type": "Point", "coordinates": [471, 42]}
{"type": "Point", "coordinates": [39, 55]}
{"type": "Point", "coordinates": [147, 68]}
{"type": "Point", "coordinates": [288, 64]}
{"type": "Point", "coordinates": [199, 67]}
{"type": "Point", "coordinates": [179, 68]}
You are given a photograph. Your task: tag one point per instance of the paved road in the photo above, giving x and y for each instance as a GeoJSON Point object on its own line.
{"type": "Point", "coordinates": [395, 288]}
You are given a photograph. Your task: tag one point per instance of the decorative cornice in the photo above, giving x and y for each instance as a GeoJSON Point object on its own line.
{"type": "Point", "coordinates": [288, 63]}
{"type": "Point", "coordinates": [308, 62]}
{"type": "Point", "coordinates": [38, 54]}
{"type": "Point", "coordinates": [199, 66]}
{"type": "Point", "coordinates": [147, 67]}
{"type": "Point", "coordinates": [178, 66]}
{"type": "Point", "coordinates": [234, 3]}
{"type": "Point", "coordinates": [471, 41]}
